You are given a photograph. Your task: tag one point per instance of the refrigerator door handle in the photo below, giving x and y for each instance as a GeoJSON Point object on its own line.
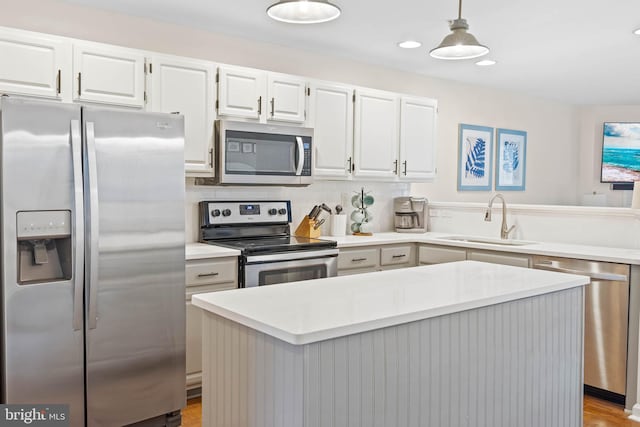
{"type": "Point", "coordinates": [78, 224]}
{"type": "Point", "coordinates": [92, 246]}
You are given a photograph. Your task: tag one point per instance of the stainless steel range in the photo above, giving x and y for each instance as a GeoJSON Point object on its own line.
{"type": "Point", "coordinates": [269, 253]}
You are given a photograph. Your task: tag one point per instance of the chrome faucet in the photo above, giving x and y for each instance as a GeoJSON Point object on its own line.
{"type": "Point", "coordinates": [504, 231]}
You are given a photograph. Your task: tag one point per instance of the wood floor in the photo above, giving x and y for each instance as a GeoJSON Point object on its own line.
{"type": "Point", "coordinates": [597, 413]}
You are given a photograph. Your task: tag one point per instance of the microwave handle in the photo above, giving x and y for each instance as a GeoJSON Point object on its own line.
{"type": "Point", "coordinates": [300, 156]}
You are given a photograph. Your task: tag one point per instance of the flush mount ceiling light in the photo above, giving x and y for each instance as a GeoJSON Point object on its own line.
{"type": "Point", "coordinates": [637, 32]}
{"type": "Point", "coordinates": [459, 44]}
{"type": "Point", "coordinates": [486, 62]}
{"type": "Point", "coordinates": [303, 11]}
{"type": "Point", "coordinates": [409, 44]}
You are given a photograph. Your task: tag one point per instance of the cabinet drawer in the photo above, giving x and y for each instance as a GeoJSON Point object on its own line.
{"type": "Point", "coordinates": [395, 255]}
{"type": "Point", "coordinates": [193, 290]}
{"type": "Point", "coordinates": [202, 272]}
{"type": "Point", "coordinates": [517, 261]}
{"type": "Point", "coordinates": [361, 258]}
{"type": "Point", "coordinates": [433, 255]}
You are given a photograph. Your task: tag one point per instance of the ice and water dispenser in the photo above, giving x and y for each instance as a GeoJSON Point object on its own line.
{"type": "Point", "coordinates": [44, 246]}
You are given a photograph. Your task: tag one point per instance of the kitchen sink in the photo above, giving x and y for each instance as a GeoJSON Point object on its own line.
{"type": "Point", "coordinates": [487, 240]}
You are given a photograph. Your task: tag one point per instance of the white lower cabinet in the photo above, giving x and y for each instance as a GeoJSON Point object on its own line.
{"type": "Point", "coordinates": [355, 261]}
{"type": "Point", "coordinates": [437, 255]}
{"type": "Point", "coordinates": [500, 258]}
{"type": "Point", "coordinates": [432, 254]}
{"type": "Point", "coordinates": [375, 258]}
{"type": "Point", "coordinates": [207, 275]}
{"type": "Point", "coordinates": [397, 256]}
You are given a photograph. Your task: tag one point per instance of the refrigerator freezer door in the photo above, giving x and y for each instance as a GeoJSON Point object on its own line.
{"type": "Point", "coordinates": [42, 357]}
{"type": "Point", "coordinates": [134, 189]}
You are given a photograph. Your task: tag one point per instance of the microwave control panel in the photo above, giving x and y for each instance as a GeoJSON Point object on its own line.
{"type": "Point", "coordinates": [306, 161]}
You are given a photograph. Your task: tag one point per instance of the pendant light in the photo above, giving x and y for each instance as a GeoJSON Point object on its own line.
{"type": "Point", "coordinates": [459, 44]}
{"type": "Point", "coordinates": [303, 11]}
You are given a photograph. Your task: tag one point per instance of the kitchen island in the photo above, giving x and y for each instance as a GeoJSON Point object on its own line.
{"type": "Point", "coordinates": [455, 344]}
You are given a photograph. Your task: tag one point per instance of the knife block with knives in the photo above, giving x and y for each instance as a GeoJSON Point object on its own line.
{"type": "Point", "coordinates": [310, 224]}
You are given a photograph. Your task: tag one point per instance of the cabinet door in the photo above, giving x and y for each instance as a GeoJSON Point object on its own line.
{"type": "Point", "coordinates": [417, 138]}
{"type": "Point", "coordinates": [287, 98]}
{"type": "Point", "coordinates": [331, 117]}
{"type": "Point", "coordinates": [438, 255]}
{"type": "Point", "coordinates": [500, 258]}
{"type": "Point", "coordinates": [109, 75]}
{"type": "Point", "coordinates": [397, 256]}
{"type": "Point", "coordinates": [376, 134]}
{"type": "Point", "coordinates": [34, 65]}
{"type": "Point", "coordinates": [240, 92]}
{"type": "Point", "coordinates": [193, 351]}
{"type": "Point", "coordinates": [187, 86]}
{"type": "Point", "coordinates": [362, 260]}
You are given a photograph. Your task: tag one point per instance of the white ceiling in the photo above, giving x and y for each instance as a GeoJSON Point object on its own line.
{"type": "Point", "coordinates": [575, 51]}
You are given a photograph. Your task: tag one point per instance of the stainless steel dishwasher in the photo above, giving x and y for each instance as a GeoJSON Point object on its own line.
{"type": "Point", "coordinates": [606, 322]}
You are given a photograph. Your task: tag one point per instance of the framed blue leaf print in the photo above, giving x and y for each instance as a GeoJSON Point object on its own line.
{"type": "Point", "coordinates": [475, 155]}
{"type": "Point", "coordinates": [511, 160]}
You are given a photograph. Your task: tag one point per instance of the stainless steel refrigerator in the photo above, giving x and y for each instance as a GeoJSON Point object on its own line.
{"type": "Point", "coordinates": [92, 216]}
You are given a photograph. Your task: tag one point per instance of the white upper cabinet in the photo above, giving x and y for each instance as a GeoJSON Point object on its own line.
{"type": "Point", "coordinates": [417, 138]}
{"type": "Point", "coordinates": [287, 98]}
{"type": "Point", "coordinates": [240, 92]}
{"type": "Point", "coordinates": [331, 117]}
{"type": "Point", "coordinates": [109, 74]}
{"type": "Point", "coordinates": [35, 65]}
{"type": "Point", "coordinates": [376, 134]}
{"type": "Point", "coordinates": [261, 96]}
{"type": "Point", "coordinates": [186, 86]}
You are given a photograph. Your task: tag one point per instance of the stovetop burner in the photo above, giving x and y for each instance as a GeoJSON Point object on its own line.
{"type": "Point", "coordinates": [275, 244]}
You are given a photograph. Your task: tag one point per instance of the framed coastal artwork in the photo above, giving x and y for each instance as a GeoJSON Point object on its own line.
{"type": "Point", "coordinates": [475, 153]}
{"type": "Point", "coordinates": [511, 160]}
{"type": "Point", "coordinates": [620, 152]}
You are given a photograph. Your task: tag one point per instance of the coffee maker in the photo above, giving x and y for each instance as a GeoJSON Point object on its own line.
{"type": "Point", "coordinates": [411, 214]}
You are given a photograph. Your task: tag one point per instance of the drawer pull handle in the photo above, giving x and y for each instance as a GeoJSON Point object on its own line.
{"type": "Point", "coordinates": [399, 256]}
{"type": "Point", "coordinates": [358, 259]}
{"type": "Point", "coordinates": [207, 274]}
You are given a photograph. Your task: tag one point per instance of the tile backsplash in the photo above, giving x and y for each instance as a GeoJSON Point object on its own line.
{"type": "Point", "coordinates": [302, 200]}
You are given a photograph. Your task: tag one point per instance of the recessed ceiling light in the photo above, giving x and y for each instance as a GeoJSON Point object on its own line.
{"type": "Point", "coordinates": [486, 62]}
{"type": "Point", "coordinates": [637, 32]}
{"type": "Point", "coordinates": [409, 44]}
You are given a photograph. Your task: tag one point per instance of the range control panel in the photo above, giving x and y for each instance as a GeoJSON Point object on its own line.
{"type": "Point", "coordinates": [263, 212]}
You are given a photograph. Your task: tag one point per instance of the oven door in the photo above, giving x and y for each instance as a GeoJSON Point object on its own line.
{"type": "Point", "coordinates": [287, 267]}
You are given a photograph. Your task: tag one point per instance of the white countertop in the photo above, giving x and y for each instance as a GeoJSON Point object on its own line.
{"type": "Point", "coordinates": [593, 253]}
{"type": "Point", "coordinates": [316, 310]}
{"type": "Point", "coordinates": [203, 251]}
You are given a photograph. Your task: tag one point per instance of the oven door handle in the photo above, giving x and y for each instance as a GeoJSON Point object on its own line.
{"type": "Point", "coordinates": [300, 156]}
{"type": "Point", "coordinates": [291, 256]}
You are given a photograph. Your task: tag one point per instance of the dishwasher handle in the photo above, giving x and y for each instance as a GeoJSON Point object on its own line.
{"type": "Point", "coordinates": [609, 277]}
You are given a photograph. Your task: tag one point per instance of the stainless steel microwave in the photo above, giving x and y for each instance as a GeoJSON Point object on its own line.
{"type": "Point", "coordinates": [262, 154]}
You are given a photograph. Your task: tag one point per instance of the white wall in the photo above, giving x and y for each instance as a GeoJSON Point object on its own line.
{"type": "Point", "coordinates": [590, 120]}
{"type": "Point", "coordinates": [595, 226]}
{"type": "Point", "coordinates": [551, 130]}
{"type": "Point", "coordinates": [302, 200]}
{"type": "Point", "coordinates": [563, 149]}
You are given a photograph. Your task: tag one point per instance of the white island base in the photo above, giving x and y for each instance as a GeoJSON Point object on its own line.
{"type": "Point", "coordinates": [446, 345]}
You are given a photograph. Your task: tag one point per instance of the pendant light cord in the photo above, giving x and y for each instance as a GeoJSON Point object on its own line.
{"type": "Point", "coordinates": [460, 9]}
